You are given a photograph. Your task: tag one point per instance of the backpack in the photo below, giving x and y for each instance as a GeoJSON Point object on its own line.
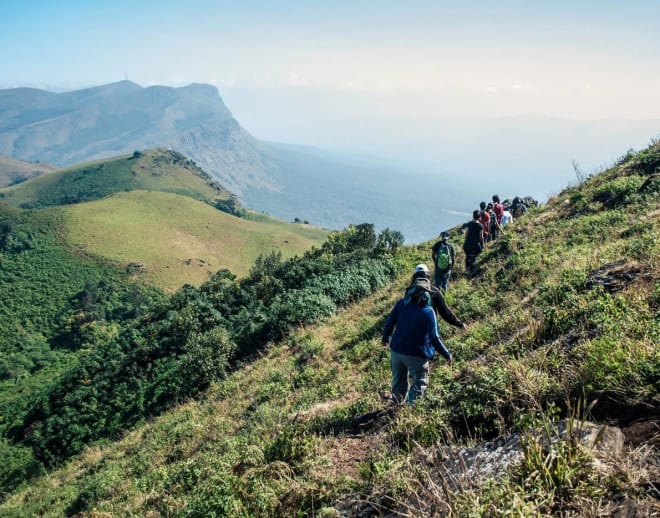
{"type": "Point", "coordinates": [418, 288]}
{"type": "Point", "coordinates": [443, 257]}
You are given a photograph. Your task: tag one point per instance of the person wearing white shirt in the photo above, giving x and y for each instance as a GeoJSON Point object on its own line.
{"type": "Point", "coordinates": [506, 218]}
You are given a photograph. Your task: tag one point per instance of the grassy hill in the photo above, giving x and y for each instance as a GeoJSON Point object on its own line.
{"type": "Point", "coordinates": [564, 312]}
{"type": "Point", "coordinates": [177, 239]}
{"type": "Point", "coordinates": [157, 209]}
{"type": "Point", "coordinates": [158, 170]}
{"type": "Point", "coordinates": [14, 171]}
{"type": "Point", "coordinates": [70, 272]}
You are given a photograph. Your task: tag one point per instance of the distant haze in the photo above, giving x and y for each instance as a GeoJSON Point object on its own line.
{"type": "Point", "coordinates": [476, 95]}
{"type": "Point", "coordinates": [419, 176]}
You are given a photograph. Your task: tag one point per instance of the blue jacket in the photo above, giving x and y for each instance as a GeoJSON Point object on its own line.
{"type": "Point", "coordinates": [415, 331]}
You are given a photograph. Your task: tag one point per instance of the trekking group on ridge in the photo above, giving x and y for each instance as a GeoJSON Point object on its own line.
{"type": "Point", "coordinates": [411, 329]}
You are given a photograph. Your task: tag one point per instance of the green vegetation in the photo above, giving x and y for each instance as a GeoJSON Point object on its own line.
{"type": "Point", "coordinates": [159, 216]}
{"type": "Point", "coordinates": [44, 287]}
{"type": "Point", "coordinates": [136, 357]}
{"type": "Point", "coordinates": [564, 311]}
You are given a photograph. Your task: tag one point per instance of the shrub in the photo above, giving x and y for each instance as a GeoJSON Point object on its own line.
{"type": "Point", "coordinates": [298, 307]}
{"type": "Point", "coordinates": [618, 192]}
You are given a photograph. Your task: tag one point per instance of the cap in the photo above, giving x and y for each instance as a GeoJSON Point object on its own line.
{"type": "Point", "coordinates": [444, 234]}
{"type": "Point", "coordinates": [421, 268]}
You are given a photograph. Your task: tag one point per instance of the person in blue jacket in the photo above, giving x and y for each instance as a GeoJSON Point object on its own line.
{"type": "Point", "coordinates": [413, 345]}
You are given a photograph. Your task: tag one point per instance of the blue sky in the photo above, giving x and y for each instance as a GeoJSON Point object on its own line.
{"type": "Point", "coordinates": [307, 62]}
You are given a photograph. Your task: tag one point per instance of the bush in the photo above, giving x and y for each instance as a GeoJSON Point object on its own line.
{"type": "Point", "coordinates": [618, 192]}
{"type": "Point", "coordinates": [296, 308]}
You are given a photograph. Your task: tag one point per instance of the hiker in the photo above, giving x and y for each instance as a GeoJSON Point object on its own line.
{"type": "Point", "coordinates": [484, 219]}
{"type": "Point", "coordinates": [518, 207]}
{"type": "Point", "coordinates": [495, 227]}
{"type": "Point", "coordinates": [413, 345]}
{"type": "Point", "coordinates": [443, 255]}
{"type": "Point", "coordinates": [474, 241]}
{"type": "Point", "coordinates": [498, 208]}
{"type": "Point", "coordinates": [422, 277]}
{"type": "Point", "coordinates": [507, 218]}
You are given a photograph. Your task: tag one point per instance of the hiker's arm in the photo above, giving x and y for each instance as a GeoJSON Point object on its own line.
{"type": "Point", "coordinates": [432, 331]}
{"type": "Point", "coordinates": [389, 324]}
{"type": "Point", "coordinates": [447, 314]}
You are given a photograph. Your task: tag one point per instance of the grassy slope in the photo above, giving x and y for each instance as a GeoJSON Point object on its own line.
{"type": "Point", "coordinates": [281, 434]}
{"type": "Point", "coordinates": [178, 239]}
{"type": "Point", "coordinates": [12, 170]}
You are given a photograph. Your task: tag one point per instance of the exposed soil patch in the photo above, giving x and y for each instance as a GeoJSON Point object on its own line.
{"type": "Point", "coordinates": [347, 452]}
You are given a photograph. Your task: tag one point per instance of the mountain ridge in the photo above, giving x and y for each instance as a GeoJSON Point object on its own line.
{"type": "Point", "coordinates": [14, 171]}
{"type": "Point", "coordinates": [103, 121]}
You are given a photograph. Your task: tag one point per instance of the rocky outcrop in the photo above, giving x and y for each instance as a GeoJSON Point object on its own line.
{"type": "Point", "coordinates": [477, 464]}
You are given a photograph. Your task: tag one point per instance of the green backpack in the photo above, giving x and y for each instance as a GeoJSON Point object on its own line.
{"type": "Point", "coordinates": [443, 258]}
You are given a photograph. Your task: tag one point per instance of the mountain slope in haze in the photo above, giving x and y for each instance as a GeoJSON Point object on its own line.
{"type": "Point", "coordinates": [339, 191]}
{"type": "Point", "coordinates": [109, 120]}
{"type": "Point", "coordinates": [563, 324]}
{"type": "Point", "coordinates": [14, 171]}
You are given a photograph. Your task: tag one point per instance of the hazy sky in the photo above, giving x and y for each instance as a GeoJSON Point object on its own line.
{"type": "Point", "coordinates": [288, 62]}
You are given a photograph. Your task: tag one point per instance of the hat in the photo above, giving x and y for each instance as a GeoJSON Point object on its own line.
{"type": "Point", "coordinates": [421, 268]}
{"type": "Point", "coordinates": [444, 234]}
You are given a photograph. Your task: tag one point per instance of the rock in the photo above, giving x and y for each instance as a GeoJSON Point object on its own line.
{"type": "Point", "coordinates": [135, 267]}
{"type": "Point", "coordinates": [475, 465]}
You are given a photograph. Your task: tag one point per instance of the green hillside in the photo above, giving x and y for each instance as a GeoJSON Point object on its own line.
{"type": "Point", "coordinates": [157, 170]}
{"type": "Point", "coordinates": [563, 324]}
{"type": "Point", "coordinates": [176, 239]}
{"type": "Point", "coordinates": [159, 215]}
{"type": "Point", "coordinates": [43, 285]}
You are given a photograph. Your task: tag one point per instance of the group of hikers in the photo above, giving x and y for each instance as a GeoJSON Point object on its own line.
{"type": "Point", "coordinates": [411, 329]}
{"type": "Point", "coordinates": [487, 224]}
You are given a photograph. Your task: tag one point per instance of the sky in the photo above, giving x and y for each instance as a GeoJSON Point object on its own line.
{"type": "Point", "coordinates": [300, 71]}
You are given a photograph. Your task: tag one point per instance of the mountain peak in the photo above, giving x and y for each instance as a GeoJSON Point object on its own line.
{"type": "Point", "coordinates": [201, 89]}
{"type": "Point", "coordinates": [119, 86]}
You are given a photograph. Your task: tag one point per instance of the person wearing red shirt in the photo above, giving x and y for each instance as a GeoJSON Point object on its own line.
{"type": "Point", "coordinates": [498, 208]}
{"type": "Point", "coordinates": [484, 219]}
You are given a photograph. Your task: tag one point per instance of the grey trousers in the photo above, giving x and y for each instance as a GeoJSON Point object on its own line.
{"type": "Point", "coordinates": [402, 367]}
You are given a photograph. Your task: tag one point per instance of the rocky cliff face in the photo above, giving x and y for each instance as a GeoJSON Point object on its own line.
{"type": "Point", "coordinates": [104, 121]}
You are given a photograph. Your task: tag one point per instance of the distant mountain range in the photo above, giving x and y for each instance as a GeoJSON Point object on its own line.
{"type": "Point", "coordinates": [109, 120]}
{"type": "Point", "coordinates": [285, 181]}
